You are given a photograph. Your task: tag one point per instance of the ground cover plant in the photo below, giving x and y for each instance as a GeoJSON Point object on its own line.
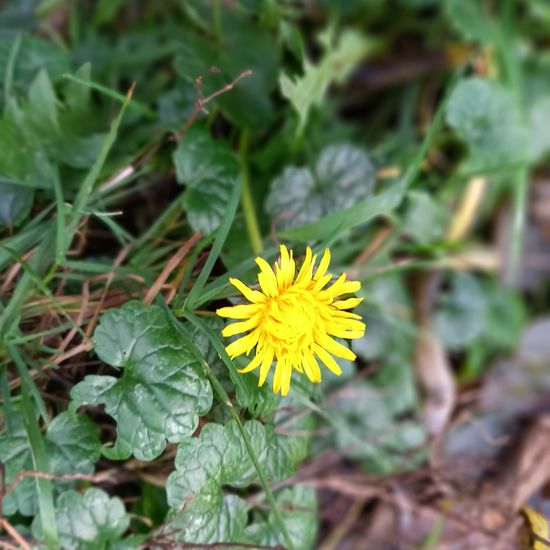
{"type": "Point", "coordinates": [274, 274]}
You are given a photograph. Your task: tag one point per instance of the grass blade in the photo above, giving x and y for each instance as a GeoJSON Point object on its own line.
{"type": "Point", "coordinates": [40, 463]}
{"type": "Point", "coordinates": [223, 230]}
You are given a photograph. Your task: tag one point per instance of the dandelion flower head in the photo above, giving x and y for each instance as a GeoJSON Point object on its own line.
{"type": "Point", "coordinates": [293, 319]}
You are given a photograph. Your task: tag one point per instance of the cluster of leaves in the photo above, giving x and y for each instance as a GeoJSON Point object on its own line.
{"type": "Point", "coordinates": [99, 189]}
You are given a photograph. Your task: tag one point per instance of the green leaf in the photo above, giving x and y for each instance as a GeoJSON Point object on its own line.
{"type": "Point", "coordinates": [505, 317]}
{"type": "Point", "coordinates": [298, 505]}
{"type": "Point", "coordinates": [425, 220]}
{"type": "Point", "coordinates": [88, 521]}
{"type": "Point", "coordinates": [471, 20]}
{"type": "Point", "coordinates": [15, 202]}
{"type": "Point", "coordinates": [342, 176]}
{"type": "Point", "coordinates": [42, 109]}
{"type": "Point", "coordinates": [72, 446]}
{"type": "Point", "coordinates": [162, 390]}
{"type": "Point", "coordinates": [34, 54]}
{"type": "Point", "coordinates": [209, 169]}
{"type": "Point", "coordinates": [368, 413]}
{"type": "Point", "coordinates": [339, 60]}
{"type": "Point", "coordinates": [332, 225]}
{"type": "Point", "coordinates": [539, 122]}
{"type": "Point", "coordinates": [461, 314]}
{"type": "Point", "coordinates": [23, 158]}
{"type": "Point", "coordinates": [218, 457]}
{"type": "Point", "coordinates": [485, 115]}
{"type": "Point", "coordinates": [36, 135]}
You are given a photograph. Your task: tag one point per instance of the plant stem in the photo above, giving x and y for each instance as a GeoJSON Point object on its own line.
{"type": "Point", "coordinates": [247, 202]}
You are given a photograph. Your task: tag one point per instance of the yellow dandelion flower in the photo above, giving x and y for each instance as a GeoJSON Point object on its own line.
{"type": "Point", "coordinates": [293, 319]}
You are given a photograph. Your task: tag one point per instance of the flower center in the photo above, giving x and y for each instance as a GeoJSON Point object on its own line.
{"type": "Point", "coordinates": [290, 319]}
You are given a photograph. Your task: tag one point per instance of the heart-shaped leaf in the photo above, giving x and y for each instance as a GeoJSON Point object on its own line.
{"type": "Point", "coordinates": [202, 513]}
{"type": "Point", "coordinates": [72, 446]}
{"type": "Point", "coordinates": [87, 521]}
{"type": "Point", "coordinates": [298, 506]}
{"type": "Point", "coordinates": [209, 169]}
{"type": "Point", "coordinates": [162, 391]}
{"type": "Point", "coordinates": [342, 176]}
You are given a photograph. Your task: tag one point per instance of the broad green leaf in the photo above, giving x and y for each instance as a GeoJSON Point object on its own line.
{"type": "Point", "coordinates": [505, 316]}
{"type": "Point", "coordinates": [338, 61]}
{"type": "Point", "coordinates": [42, 109]}
{"type": "Point", "coordinates": [461, 314]}
{"type": "Point", "coordinates": [24, 158]}
{"type": "Point", "coordinates": [471, 20]}
{"type": "Point", "coordinates": [40, 133]}
{"type": "Point", "coordinates": [15, 202]}
{"type": "Point", "coordinates": [34, 55]}
{"type": "Point", "coordinates": [425, 219]}
{"type": "Point", "coordinates": [162, 390]}
{"type": "Point", "coordinates": [342, 176]}
{"type": "Point", "coordinates": [331, 225]}
{"type": "Point", "coordinates": [88, 521]}
{"type": "Point", "coordinates": [218, 457]}
{"type": "Point", "coordinates": [72, 446]}
{"type": "Point", "coordinates": [298, 506]}
{"type": "Point", "coordinates": [209, 169]}
{"type": "Point", "coordinates": [485, 115]}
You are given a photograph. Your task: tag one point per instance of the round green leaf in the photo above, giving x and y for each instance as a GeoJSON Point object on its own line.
{"type": "Point", "coordinates": [298, 505]}
{"type": "Point", "coordinates": [486, 117]}
{"type": "Point", "coordinates": [342, 176]}
{"type": "Point", "coordinates": [461, 315]}
{"type": "Point", "coordinates": [162, 391]}
{"type": "Point", "coordinates": [217, 458]}
{"type": "Point", "coordinates": [88, 521]}
{"type": "Point", "coordinates": [209, 169]}
{"type": "Point", "coordinates": [72, 446]}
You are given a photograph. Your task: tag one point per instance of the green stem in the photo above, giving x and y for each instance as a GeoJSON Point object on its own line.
{"type": "Point", "coordinates": [247, 202]}
{"type": "Point", "coordinates": [511, 75]}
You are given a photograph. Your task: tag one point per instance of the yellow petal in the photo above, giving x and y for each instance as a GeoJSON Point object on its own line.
{"type": "Point", "coordinates": [254, 363]}
{"type": "Point", "coordinates": [267, 360]}
{"type": "Point", "coordinates": [304, 275]}
{"type": "Point", "coordinates": [335, 347]}
{"type": "Point", "coordinates": [345, 324]}
{"type": "Point", "coordinates": [242, 326]}
{"type": "Point", "coordinates": [341, 286]}
{"type": "Point", "coordinates": [251, 295]}
{"type": "Point", "coordinates": [285, 380]}
{"type": "Point", "coordinates": [328, 360]}
{"type": "Point", "coordinates": [241, 311]}
{"type": "Point", "coordinates": [311, 368]}
{"type": "Point", "coordinates": [322, 281]}
{"type": "Point", "coordinates": [323, 266]}
{"type": "Point", "coordinates": [347, 304]}
{"type": "Point", "coordinates": [285, 268]}
{"type": "Point", "coordinates": [266, 278]}
{"type": "Point", "coordinates": [242, 345]}
{"type": "Point", "coordinates": [277, 376]}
